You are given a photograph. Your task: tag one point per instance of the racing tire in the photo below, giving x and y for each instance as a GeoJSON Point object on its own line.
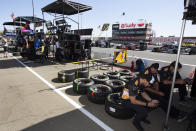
{"type": "Point", "coordinates": [82, 73]}
{"type": "Point", "coordinates": [116, 85]}
{"type": "Point", "coordinates": [81, 85]}
{"type": "Point", "coordinates": [113, 75]}
{"type": "Point", "coordinates": [99, 79]}
{"type": "Point", "coordinates": [66, 76]}
{"type": "Point", "coordinates": [125, 72]}
{"type": "Point", "coordinates": [16, 53]}
{"type": "Point", "coordinates": [117, 107]}
{"type": "Point", "coordinates": [98, 93]}
{"type": "Point", "coordinates": [126, 79]}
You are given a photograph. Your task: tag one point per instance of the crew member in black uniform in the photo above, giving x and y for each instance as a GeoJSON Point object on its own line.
{"type": "Point", "coordinates": [152, 73]}
{"type": "Point", "coordinates": [140, 102]}
{"type": "Point", "coordinates": [154, 92]}
{"type": "Point", "coordinates": [166, 76]}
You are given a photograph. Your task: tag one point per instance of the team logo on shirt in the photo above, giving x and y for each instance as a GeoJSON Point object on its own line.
{"type": "Point", "coordinates": [136, 82]}
{"type": "Point", "coordinates": [146, 72]}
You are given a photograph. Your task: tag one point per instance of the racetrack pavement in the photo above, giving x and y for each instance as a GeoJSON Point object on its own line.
{"type": "Point", "coordinates": [29, 104]}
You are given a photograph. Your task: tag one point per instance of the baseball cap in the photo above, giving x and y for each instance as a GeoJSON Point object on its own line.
{"type": "Point", "coordinates": [174, 63]}
{"type": "Point", "coordinates": [155, 65]}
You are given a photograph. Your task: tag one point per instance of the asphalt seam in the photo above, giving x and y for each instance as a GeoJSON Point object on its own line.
{"type": "Point", "coordinates": [72, 102]}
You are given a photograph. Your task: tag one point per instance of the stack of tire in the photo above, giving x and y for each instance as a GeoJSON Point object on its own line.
{"type": "Point", "coordinates": [66, 76]}
{"type": "Point", "coordinates": [113, 74]}
{"type": "Point", "coordinates": [81, 85]}
{"type": "Point", "coordinates": [116, 85]}
{"type": "Point", "coordinates": [126, 75]}
{"type": "Point", "coordinates": [125, 78]}
{"type": "Point", "coordinates": [98, 93]}
{"type": "Point", "coordinates": [99, 79]}
{"type": "Point", "coordinates": [82, 73]}
{"type": "Point", "coordinates": [125, 72]}
{"type": "Point", "coordinates": [117, 107]}
{"type": "Point", "coordinates": [70, 75]}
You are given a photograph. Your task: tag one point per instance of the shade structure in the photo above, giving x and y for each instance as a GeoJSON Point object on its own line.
{"type": "Point", "coordinates": [65, 7]}
{"type": "Point", "coordinates": [30, 19]}
{"type": "Point", "coordinates": [13, 23]}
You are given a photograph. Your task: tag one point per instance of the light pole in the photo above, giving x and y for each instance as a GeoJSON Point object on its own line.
{"type": "Point", "coordinates": [33, 15]}
{"type": "Point", "coordinates": [33, 7]}
{"type": "Point", "coordinates": [165, 127]}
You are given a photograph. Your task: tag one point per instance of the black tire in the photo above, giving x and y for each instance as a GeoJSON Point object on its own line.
{"type": "Point", "coordinates": [116, 85]}
{"type": "Point", "coordinates": [99, 79]}
{"type": "Point", "coordinates": [117, 107]}
{"type": "Point", "coordinates": [16, 53]}
{"type": "Point", "coordinates": [82, 73]}
{"type": "Point", "coordinates": [98, 93]}
{"type": "Point", "coordinates": [104, 67]}
{"type": "Point", "coordinates": [126, 79]}
{"type": "Point", "coordinates": [125, 72]}
{"type": "Point", "coordinates": [81, 85]}
{"type": "Point", "coordinates": [113, 75]}
{"type": "Point", "coordinates": [66, 76]}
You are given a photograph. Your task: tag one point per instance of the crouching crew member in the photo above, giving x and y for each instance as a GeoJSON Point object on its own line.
{"type": "Point", "coordinates": [152, 73]}
{"type": "Point", "coordinates": [140, 102]}
{"type": "Point", "coordinates": [166, 76]}
{"type": "Point", "coordinates": [154, 92]}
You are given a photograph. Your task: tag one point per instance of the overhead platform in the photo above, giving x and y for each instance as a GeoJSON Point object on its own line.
{"type": "Point", "coordinates": [83, 31]}
{"type": "Point", "coordinates": [13, 23]}
{"type": "Point", "coordinates": [68, 7]}
{"type": "Point", "coordinates": [29, 19]}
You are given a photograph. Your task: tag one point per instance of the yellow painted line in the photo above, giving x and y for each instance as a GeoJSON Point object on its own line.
{"type": "Point", "coordinates": [82, 61]}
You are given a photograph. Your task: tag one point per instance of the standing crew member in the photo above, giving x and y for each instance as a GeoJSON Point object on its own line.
{"type": "Point", "coordinates": [5, 46]}
{"type": "Point", "coordinates": [140, 102]}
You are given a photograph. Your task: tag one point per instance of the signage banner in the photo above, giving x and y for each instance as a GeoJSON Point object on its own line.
{"type": "Point", "coordinates": [105, 27]}
{"type": "Point", "coordinates": [120, 57]}
{"type": "Point", "coordinates": [115, 26]}
{"type": "Point", "coordinates": [132, 25]}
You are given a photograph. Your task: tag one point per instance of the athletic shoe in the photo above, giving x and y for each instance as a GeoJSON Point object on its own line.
{"type": "Point", "coordinates": [182, 116]}
{"type": "Point", "coordinates": [138, 125]}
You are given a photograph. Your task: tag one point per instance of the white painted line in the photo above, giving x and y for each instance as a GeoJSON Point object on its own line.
{"type": "Point", "coordinates": [106, 58]}
{"type": "Point", "coordinates": [88, 114]}
{"type": "Point", "coordinates": [64, 88]}
{"type": "Point", "coordinates": [158, 60]}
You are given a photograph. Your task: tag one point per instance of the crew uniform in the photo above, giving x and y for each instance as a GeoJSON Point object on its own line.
{"type": "Point", "coordinates": [135, 89]}
{"type": "Point", "coordinates": [152, 77]}
{"type": "Point", "coordinates": [174, 113]}
{"type": "Point", "coordinates": [167, 74]}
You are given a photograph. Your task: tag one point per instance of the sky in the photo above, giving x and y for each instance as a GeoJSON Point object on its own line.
{"type": "Point", "coordinates": [165, 15]}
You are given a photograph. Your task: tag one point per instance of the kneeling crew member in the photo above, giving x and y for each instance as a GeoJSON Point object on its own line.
{"type": "Point", "coordinates": [166, 76]}
{"type": "Point", "coordinates": [152, 73]}
{"type": "Point", "coordinates": [154, 92]}
{"type": "Point", "coordinates": [140, 102]}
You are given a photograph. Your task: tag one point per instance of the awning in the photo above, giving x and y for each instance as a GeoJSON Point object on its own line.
{"type": "Point", "coordinates": [83, 31]}
{"type": "Point", "coordinates": [29, 19]}
{"type": "Point", "coordinates": [13, 23]}
{"type": "Point", "coordinates": [65, 7]}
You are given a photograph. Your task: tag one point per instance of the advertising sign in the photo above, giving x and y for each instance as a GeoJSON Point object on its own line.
{"type": "Point", "coordinates": [120, 57]}
{"type": "Point", "coordinates": [105, 27]}
{"type": "Point", "coordinates": [132, 25]}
